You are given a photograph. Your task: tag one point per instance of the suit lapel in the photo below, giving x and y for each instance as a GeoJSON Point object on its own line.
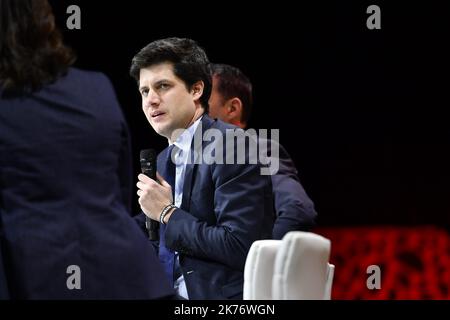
{"type": "Point", "coordinates": [191, 167]}
{"type": "Point", "coordinates": [161, 165]}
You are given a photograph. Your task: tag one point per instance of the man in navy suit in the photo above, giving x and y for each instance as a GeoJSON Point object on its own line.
{"type": "Point", "coordinates": [209, 212]}
{"type": "Point", "coordinates": [231, 101]}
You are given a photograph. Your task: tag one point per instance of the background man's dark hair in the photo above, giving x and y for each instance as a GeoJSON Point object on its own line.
{"type": "Point", "coordinates": [32, 53]}
{"type": "Point", "coordinates": [233, 83]}
{"type": "Point", "coordinates": [190, 62]}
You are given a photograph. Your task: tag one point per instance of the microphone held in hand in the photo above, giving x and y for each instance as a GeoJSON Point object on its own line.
{"type": "Point", "coordinates": [148, 167]}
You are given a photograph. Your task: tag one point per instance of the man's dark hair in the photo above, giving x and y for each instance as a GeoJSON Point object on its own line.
{"type": "Point", "coordinates": [231, 83]}
{"type": "Point", "coordinates": [190, 62]}
{"type": "Point", "coordinates": [32, 53]}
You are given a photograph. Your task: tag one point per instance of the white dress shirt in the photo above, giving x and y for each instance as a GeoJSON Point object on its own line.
{"type": "Point", "coordinates": [182, 150]}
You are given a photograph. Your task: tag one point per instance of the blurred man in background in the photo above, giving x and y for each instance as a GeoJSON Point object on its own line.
{"type": "Point", "coordinates": [231, 101]}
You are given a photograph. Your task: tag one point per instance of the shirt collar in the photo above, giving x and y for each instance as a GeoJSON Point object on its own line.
{"type": "Point", "coordinates": [184, 141]}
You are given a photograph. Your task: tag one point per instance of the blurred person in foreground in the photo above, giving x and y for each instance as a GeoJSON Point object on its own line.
{"type": "Point", "coordinates": [65, 174]}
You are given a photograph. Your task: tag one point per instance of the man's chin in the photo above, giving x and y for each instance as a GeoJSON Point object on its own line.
{"type": "Point", "coordinates": [162, 131]}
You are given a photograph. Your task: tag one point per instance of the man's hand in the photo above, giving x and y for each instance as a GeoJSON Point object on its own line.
{"type": "Point", "coordinates": [154, 196]}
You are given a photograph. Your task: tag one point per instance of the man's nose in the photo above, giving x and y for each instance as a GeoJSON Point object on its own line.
{"type": "Point", "coordinates": [153, 99]}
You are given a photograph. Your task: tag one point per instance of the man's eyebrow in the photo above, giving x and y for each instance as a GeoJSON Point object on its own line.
{"type": "Point", "coordinates": [158, 82]}
{"type": "Point", "coordinates": [161, 81]}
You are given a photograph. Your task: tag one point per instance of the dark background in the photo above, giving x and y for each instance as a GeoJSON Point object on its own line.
{"type": "Point", "coordinates": [362, 112]}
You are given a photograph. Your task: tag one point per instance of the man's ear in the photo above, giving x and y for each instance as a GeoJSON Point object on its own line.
{"type": "Point", "coordinates": [234, 109]}
{"type": "Point", "coordinates": [197, 89]}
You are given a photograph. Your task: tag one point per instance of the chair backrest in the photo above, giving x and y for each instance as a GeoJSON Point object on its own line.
{"type": "Point", "coordinates": [259, 269]}
{"type": "Point", "coordinates": [301, 267]}
{"type": "Point", "coordinates": [329, 285]}
{"type": "Point", "coordinates": [293, 268]}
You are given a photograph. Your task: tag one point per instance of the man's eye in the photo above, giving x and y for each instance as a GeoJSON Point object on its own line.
{"type": "Point", "coordinates": [144, 92]}
{"type": "Point", "coordinates": [163, 86]}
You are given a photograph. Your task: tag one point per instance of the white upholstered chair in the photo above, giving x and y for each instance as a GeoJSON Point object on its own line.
{"type": "Point", "coordinates": [294, 268]}
{"type": "Point", "coordinates": [259, 270]}
{"type": "Point", "coordinates": [329, 285]}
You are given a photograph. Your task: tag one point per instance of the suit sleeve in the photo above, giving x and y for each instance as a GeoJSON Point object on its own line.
{"type": "Point", "coordinates": [240, 206]}
{"type": "Point", "coordinates": [125, 166]}
{"type": "Point", "coordinates": [294, 209]}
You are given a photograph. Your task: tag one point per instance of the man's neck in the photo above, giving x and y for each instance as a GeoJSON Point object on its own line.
{"type": "Point", "coordinates": [176, 133]}
{"type": "Point", "coordinates": [197, 115]}
{"type": "Point", "coordinates": [239, 124]}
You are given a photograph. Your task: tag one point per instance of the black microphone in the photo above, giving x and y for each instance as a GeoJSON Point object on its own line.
{"type": "Point", "coordinates": [148, 167]}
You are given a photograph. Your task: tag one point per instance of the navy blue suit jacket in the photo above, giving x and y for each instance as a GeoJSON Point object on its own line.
{"type": "Point", "coordinates": [65, 194]}
{"type": "Point", "coordinates": [225, 208]}
{"type": "Point", "coordinates": [295, 210]}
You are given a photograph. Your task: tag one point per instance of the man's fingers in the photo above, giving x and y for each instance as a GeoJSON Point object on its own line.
{"type": "Point", "coordinates": [141, 186]}
{"type": "Point", "coordinates": [147, 184]}
{"type": "Point", "coordinates": [144, 178]}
